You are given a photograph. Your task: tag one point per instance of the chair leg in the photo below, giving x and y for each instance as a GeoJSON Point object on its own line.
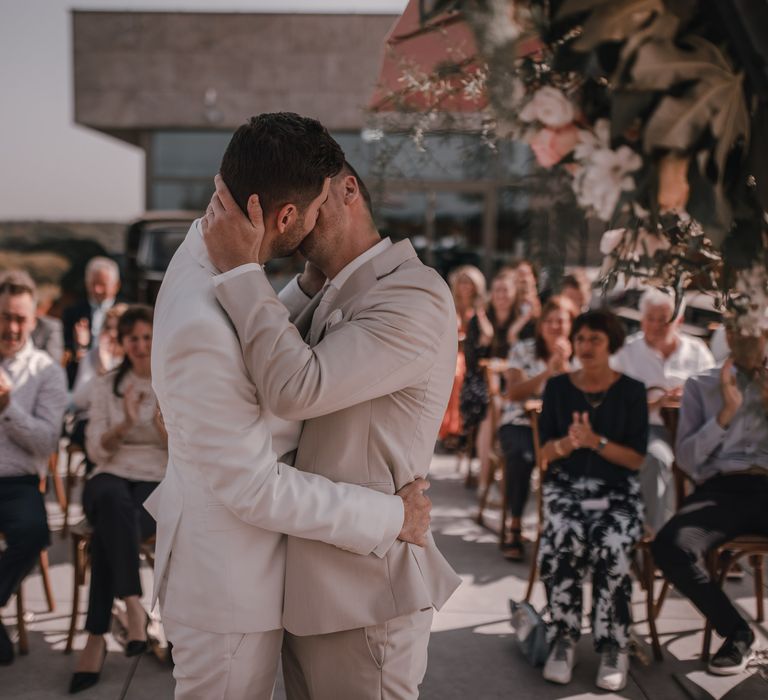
{"type": "Point", "coordinates": [21, 623]}
{"type": "Point", "coordinates": [650, 607]}
{"type": "Point", "coordinates": [46, 576]}
{"type": "Point", "coordinates": [78, 563]}
{"type": "Point", "coordinates": [534, 572]}
{"type": "Point", "coordinates": [662, 597]}
{"type": "Point", "coordinates": [67, 495]}
{"type": "Point", "coordinates": [58, 487]}
{"type": "Point", "coordinates": [757, 563]}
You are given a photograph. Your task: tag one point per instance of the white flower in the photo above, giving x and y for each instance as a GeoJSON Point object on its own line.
{"type": "Point", "coordinates": [550, 107]}
{"type": "Point", "coordinates": [610, 240]}
{"type": "Point", "coordinates": [603, 177]}
{"type": "Point", "coordinates": [590, 141]}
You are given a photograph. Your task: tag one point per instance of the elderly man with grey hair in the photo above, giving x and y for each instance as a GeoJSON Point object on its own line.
{"type": "Point", "coordinates": [83, 320]}
{"type": "Point", "coordinates": [662, 357]}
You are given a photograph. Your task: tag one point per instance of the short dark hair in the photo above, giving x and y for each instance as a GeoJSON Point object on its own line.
{"type": "Point", "coordinates": [134, 314]}
{"type": "Point", "coordinates": [604, 321]}
{"type": "Point", "coordinates": [349, 170]}
{"type": "Point", "coordinates": [281, 157]}
{"type": "Point", "coordinates": [16, 283]}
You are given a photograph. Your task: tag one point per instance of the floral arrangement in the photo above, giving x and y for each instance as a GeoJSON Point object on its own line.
{"type": "Point", "coordinates": [658, 112]}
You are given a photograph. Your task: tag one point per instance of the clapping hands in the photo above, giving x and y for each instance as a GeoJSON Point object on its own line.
{"type": "Point", "coordinates": [5, 390]}
{"type": "Point", "coordinates": [559, 359]}
{"type": "Point", "coordinates": [580, 433]}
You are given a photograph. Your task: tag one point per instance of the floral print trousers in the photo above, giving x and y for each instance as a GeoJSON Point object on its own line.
{"type": "Point", "coordinates": [579, 539]}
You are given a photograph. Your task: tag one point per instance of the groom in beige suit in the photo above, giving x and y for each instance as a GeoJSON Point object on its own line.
{"type": "Point", "coordinates": [226, 500]}
{"type": "Point", "coordinates": [372, 386]}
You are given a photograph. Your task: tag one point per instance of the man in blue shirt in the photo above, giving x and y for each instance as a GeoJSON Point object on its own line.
{"type": "Point", "coordinates": [722, 444]}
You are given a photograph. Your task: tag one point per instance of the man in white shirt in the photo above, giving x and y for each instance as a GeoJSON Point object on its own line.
{"type": "Point", "coordinates": [33, 396]}
{"type": "Point", "coordinates": [662, 357]}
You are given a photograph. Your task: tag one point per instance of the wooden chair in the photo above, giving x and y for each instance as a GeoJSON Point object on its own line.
{"type": "Point", "coordinates": [493, 370]}
{"type": "Point", "coordinates": [81, 540]}
{"type": "Point", "coordinates": [21, 623]}
{"type": "Point", "coordinates": [73, 450]}
{"type": "Point", "coordinates": [721, 560]}
{"type": "Point", "coordinates": [533, 409]}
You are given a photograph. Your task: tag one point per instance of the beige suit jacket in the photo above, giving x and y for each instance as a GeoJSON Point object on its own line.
{"type": "Point", "coordinates": [225, 500]}
{"type": "Point", "coordinates": [373, 393]}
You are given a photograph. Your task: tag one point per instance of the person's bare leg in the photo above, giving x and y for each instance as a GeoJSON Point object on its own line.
{"type": "Point", "coordinates": [484, 438]}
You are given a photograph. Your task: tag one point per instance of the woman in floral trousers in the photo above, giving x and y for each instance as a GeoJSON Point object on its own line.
{"type": "Point", "coordinates": [594, 429]}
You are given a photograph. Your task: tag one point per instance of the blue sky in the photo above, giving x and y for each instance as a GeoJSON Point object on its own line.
{"type": "Point", "coordinates": [52, 169]}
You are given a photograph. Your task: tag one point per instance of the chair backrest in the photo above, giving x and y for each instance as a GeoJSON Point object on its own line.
{"type": "Point", "coordinates": [533, 409]}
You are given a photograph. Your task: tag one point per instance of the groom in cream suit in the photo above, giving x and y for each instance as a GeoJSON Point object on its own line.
{"type": "Point", "coordinates": [226, 500]}
{"type": "Point", "coordinates": [372, 386]}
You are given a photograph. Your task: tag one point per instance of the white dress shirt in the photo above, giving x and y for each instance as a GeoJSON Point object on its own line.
{"type": "Point", "coordinates": [640, 361]}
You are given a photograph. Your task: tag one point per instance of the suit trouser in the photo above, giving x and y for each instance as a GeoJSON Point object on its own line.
{"type": "Point", "coordinates": [120, 523]}
{"type": "Point", "coordinates": [382, 662]}
{"type": "Point", "coordinates": [24, 524]}
{"type": "Point", "coordinates": [211, 666]}
{"type": "Point", "coordinates": [720, 509]}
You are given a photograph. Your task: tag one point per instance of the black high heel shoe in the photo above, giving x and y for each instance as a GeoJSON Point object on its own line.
{"type": "Point", "coordinates": [136, 647]}
{"type": "Point", "coordinates": [82, 680]}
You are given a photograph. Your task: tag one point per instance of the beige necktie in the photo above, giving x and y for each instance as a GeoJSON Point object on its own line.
{"type": "Point", "coordinates": [323, 310]}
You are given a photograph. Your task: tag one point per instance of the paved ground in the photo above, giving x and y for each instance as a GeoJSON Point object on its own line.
{"type": "Point", "coordinates": [472, 653]}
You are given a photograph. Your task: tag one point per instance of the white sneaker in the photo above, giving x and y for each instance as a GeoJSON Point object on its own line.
{"type": "Point", "coordinates": [614, 666]}
{"type": "Point", "coordinates": [560, 662]}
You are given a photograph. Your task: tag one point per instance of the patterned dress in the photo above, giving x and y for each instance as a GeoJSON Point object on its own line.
{"type": "Point", "coordinates": [593, 511]}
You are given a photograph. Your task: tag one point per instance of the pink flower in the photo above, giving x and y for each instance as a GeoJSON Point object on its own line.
{"type": "Point", "coordinates": [550, 146]}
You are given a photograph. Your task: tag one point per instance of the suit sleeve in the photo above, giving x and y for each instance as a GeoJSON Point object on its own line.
{"type": "Point", "coordinates": [384, 348]}
{"type": "Point", "coordinates": [698, 435]}
{"type": "Point", "coordinates": [200, 382]}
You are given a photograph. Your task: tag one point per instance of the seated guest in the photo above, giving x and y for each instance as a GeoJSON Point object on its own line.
{"type": "Point", "coordinates": [722, 443]}
{"type": "Point", "coordinates": [490, 333]}
{"type": "Point", "coordinates": [100, 359]}
{"type": "Point", "coordinates": [527, 301]}
{"type": "Point", "coordinates": [48, 334]}
{"type": "Point", "coordinates": [594, 429]}
{"type": "Point", "coordinates": [531, 363]}
{"type": "Point", "coordinates": [126, 439]}
{"type": "Point", "coordinates": [33, 396]}
{"type": "Point", "coordinates": [82, 321]}
{"type": "Point", "coordinates": [662, 357]}
{"type": "Point", "coordinates": [577, 287]}
{"type": "Point", "coordinates": [468, 290]}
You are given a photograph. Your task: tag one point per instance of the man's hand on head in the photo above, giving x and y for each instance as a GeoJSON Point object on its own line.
{"type": "Point", "coordinates": [232, 239]}
{"type": "Point", "coordinates": [417, 509]}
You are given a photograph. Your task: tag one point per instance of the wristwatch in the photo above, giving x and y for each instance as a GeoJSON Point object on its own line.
{"type": "Point", "coordinates": [601, 444]}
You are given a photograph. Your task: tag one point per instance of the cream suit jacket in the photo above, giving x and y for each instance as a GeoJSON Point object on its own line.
{"type": "Point", "coordinates": [373, 392]}
{"type": "Point", "coordinates": [225, 501]}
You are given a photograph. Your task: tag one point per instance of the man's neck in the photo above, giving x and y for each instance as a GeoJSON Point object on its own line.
{"type": "Point", "coordinates": [351, 249]}
{"type": "Point", "coordinates": [666, 346]}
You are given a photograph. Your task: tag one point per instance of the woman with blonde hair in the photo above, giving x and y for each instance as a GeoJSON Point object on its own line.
{"type": "Point", "coordinates": [468, 289]}
{"type": "Point", "coordinates": [531, 363]}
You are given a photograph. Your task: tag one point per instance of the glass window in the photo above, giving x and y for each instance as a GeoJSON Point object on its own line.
{"type": "Point", "coordinates": [182, 194]}
{"type": "Point", "coordinates": [187, 153]}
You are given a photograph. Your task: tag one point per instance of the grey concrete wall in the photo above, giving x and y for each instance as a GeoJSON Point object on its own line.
{"type": "Point", "coordinates": [146, 70]}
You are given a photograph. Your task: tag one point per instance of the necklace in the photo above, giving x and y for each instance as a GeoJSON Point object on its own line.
{"type": "Point", "coordinates": [594, 398]}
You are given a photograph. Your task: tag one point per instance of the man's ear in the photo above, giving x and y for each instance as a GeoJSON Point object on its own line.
{"type": "Point", "coordinates": [351, 189]}
{"type": "Point", "coordinates": [286, 216]}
